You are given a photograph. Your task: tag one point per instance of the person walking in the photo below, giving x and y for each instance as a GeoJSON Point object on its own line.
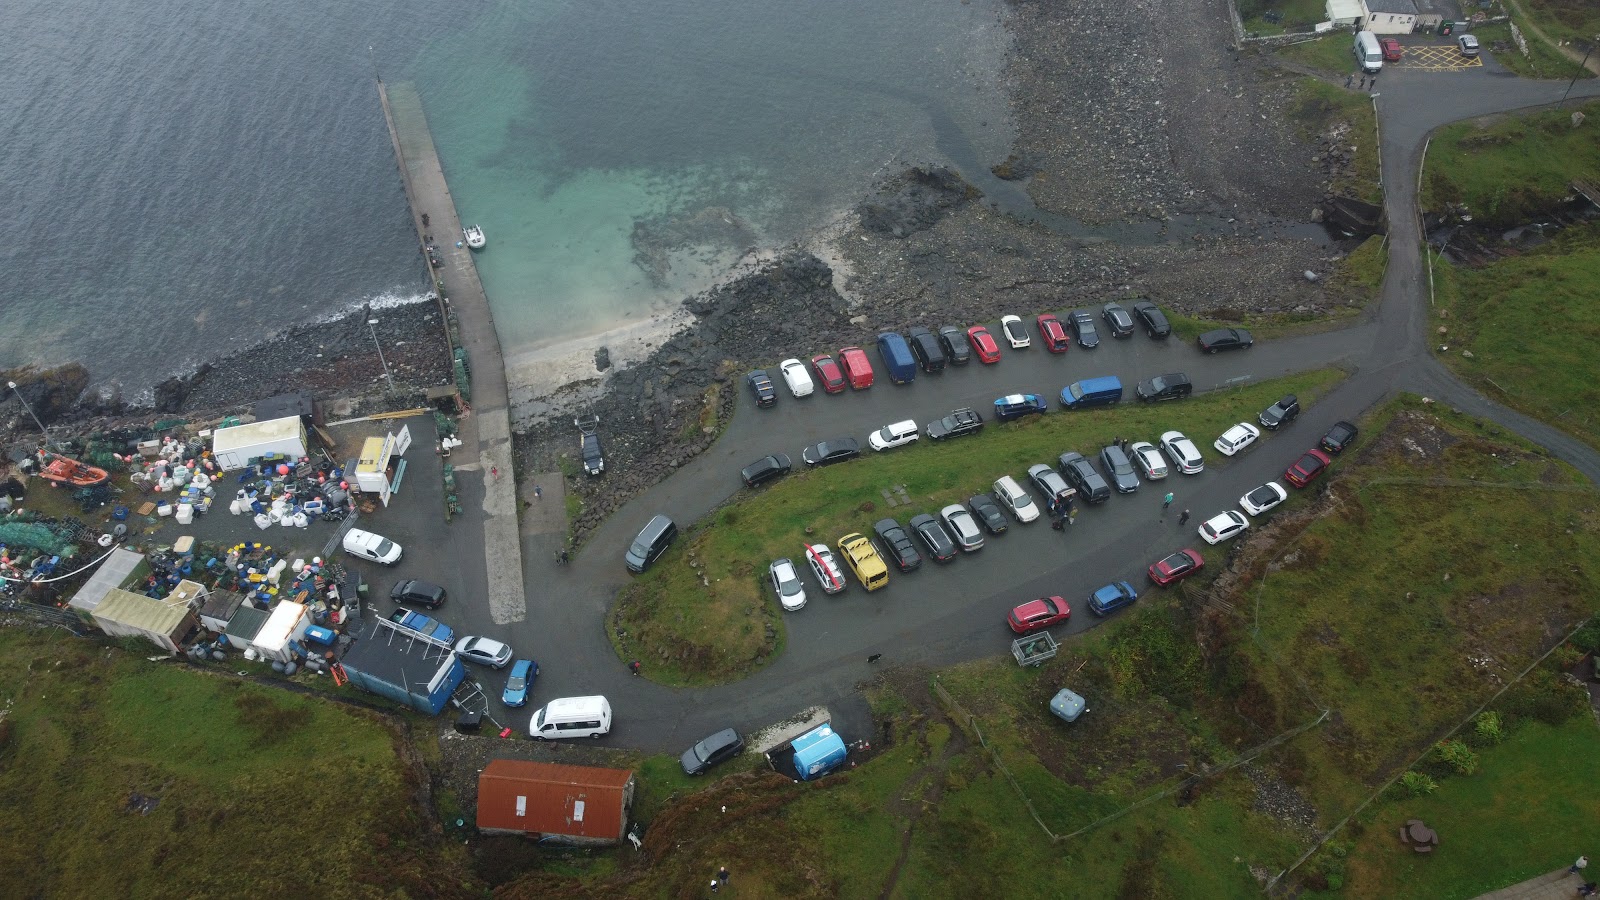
{"type": "Point", "coordinates": [1579, 866]}
{"type": "Point", "coordinates": [538, 493]}
{"type": "Point", "coordinates": [1166, 501]}
{"type": "Point", "coordinates": [1184, 519]}
{"type": "Point", "coordinates": [564, 557]}
{"type": "Point", "coordinates": [722, 874]}
{"type": "Point", "coordinates": [1349, 80]}
{"type": "Point", "coordinates": [634, 667]}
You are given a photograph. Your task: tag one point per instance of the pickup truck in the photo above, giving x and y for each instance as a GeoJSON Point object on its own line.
{"type": "Point", "coordinates": [421, 624]}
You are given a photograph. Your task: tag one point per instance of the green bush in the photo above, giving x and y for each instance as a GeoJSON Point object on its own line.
{"type": "Point", "coordinates": [1545, 696]}
{"type": "Point", "coordinates": [1463, 759]}
{"type": "Point", "coordinates": [1587, 638]}
{"type": "Point", "coordinates": [1418, 784]}
{"type": "Point", "coordinates": [1489, 728]}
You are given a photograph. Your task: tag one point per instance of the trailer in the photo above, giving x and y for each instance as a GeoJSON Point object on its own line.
{"type": "Point", "coordinates": [1034, 649]}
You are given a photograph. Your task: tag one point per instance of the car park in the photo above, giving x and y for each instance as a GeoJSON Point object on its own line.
{"type": "Point", "coordinates": [1015, 406]}
{"type": "Point", "coordinates": [421, 624]}
{"type": "Point", "coordinates": [1184, 454]}
{"type": "Point", "coordinates": [1178, 566]}
{"type": "Point", "coordinates": [1222, 526]}
{"type": "Point", "coordinates": [519, 683]}
{"type": "Point", "coordinates": [826, 453]}
{"type": "Point", "coordinates": [897, 358]}
{"type": "Point", "coordinates": [1263, 498]}
{"type": "Point", "coordinates": [718, 748]}
{"type": "Point", "coordinates": [797, 378]}
{"type": "Point", "coordinates": [1279, 414]}
{"type": "Point", "coordinates": [925, 347]}
{"type": "Point", "coordinates": [828, 373]}
{"type": "Point", "coordinates": [896, 545]}
{"type": "Point", "coordinates": [857, 367]}
{"type": "Point", "coordinates": [1053, 333]}
{"type": "Point", "coordinates": [895, 434]}
{"type": "Point", "coordinates": [864, 561]}
{"type": "Point", "coordinates": [825, 567]}
{"type": "Point", "coordinates": [416, 592]}
{"type": "Point", "coordinates": [1119, 469]}
{"type": "Point", "coordinates": [1067, 705]}
{"type": "Point", "coordinates": [1112, 597]}
{"type": "Point", "coordinates": [1083, 328]}
{"type": "Point", "coordinates": [786, 584]}
{"type": "Point", "coordinates": [987, 511]}
{"type": "Point", "coordinates": [1148, 460]}
{"type": "Point", "coordinates": [370, 546]}
{"type": "Point", "coordinates": [484, 651]}
{"type": "Point", "coordinates": [1392, 50]}
{"type": "Point", "coordinates": [983, 344]}
{"type": "Point", "coordinates": [765, 469]}
{"type": "Point", "coordinates": [1016, 334]}
{"type": "Point", "coordinates": [954, 342]}
{"type": "Point", "coordinates": [761, 388]}
{"type": "Point", "coordinates": [1153, 319]}
{"type": "Point", "coordinates": [1236, 438]}
{"type": "Point", "coordinates": [1010, 495]}
{"type": "Point", "coordinates": [1036, 614]}
{"type": "Point", "coordinates": [1078, 472]}
{"type": "Point", "coordinates": [1225, 339]}
{"type": "Point", "coordinates": [1172, 386]}
{"type": "Point", "coordinates": [1049, 483]}
{"type": "Point", "coordinates": [1468, 45]}
{"type": "Point", "coordinates": [934, 537]}
{"type": "Point", "coordinates": [1118, 321]}
{"type": "Point", "coordinates": [963, 527]}
{"type": "Point", "coordinates": [1340, 436]}
{"type": "Point", "coordinates": [653, 540]}
{"type": "Point", "coordinates": [958, 423]}
{"type": "Point", "coordinates": [1307, 468]}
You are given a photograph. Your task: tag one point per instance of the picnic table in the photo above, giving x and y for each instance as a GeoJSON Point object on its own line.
{"type": "Point", "coordinates": [1421, 838]}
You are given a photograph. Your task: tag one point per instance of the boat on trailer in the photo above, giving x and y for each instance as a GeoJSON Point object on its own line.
{"type": "Point", "coordinates": [61, 470]}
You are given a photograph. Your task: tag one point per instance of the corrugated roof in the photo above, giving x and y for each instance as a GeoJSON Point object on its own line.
{"type": "Point", "coordinates": [144, 613]}
{"type": "Point", "coordinates": [546, 798]}
{"type": "Point", "coordinates": [1392, 7]}
{"type": "Point", "coordinates": [256, 433]}
{"type": "Point", "coordinates": [245, 625]}
{"type": "Point", "coordinates": [113, 573]}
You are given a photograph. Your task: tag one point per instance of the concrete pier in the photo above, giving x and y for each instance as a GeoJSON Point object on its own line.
{"type": "Point", "coordinates": [486, 432]}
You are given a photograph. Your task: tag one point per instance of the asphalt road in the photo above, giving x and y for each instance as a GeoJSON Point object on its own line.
{"type": "Point", "coordinates": [945, 614]}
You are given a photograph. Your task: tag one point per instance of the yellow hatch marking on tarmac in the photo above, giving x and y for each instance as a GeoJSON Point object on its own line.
{"type": "Point", "coordinates": [1437, 58]}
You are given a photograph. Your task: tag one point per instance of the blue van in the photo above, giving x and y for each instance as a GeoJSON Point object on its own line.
{"type": "Point", "coordinates": [1092, 392]}
{"type": "Point", "coordinates": [897, 358]}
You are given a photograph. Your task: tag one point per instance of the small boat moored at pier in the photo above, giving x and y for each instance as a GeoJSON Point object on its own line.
{"type": "Point", "coordinates": [474, 236]}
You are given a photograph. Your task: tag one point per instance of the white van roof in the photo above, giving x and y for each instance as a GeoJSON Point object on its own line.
{"type": "Point", "coordinates": [576, 706]}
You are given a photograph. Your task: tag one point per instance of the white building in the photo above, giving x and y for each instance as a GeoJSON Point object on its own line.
{"type": "Point", "coordinates": [1390, 16]}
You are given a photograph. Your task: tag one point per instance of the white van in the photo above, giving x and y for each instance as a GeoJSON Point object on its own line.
{"type": "Point", "coordinates": [571, 717]}
{"type": "Point", "coordinates": [1369, 56]}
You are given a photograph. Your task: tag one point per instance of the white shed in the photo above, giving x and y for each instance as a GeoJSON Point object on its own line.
{"type": "Point", "coordinates": [164, 623]}
{"type": "Point", "coordinates": [288, 622]}
{"type": "Point", "coordinates": [235, 447]}
{"type": "Point", "coordinates": [1390, 16]}
{"type": "Point", "coordinates": [1346, 12]}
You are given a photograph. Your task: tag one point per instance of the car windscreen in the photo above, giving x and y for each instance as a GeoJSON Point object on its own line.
{"type": "Point", "coordinates": [385, 547]}
{"type": "Point", "coordinates": [516, 683]}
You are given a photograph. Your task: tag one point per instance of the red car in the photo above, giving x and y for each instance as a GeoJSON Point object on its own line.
{"type": "Point", "coordinates": [856, 367]}
{"type": "Point", "coordinates": [828, 373]}
{"type": "Point", "coordinates": [1392, 51]}
{"type": "Point", "coordinates": [1054, 335]}
{"type": "Point", "coordinates": [1306, 469]}
{"type": "Point", "coordinates": [1040, 613]}
{"type": "Point", "coordinates": [1179, 565]}
{"type": "Point", "coordinates": [983, 344]}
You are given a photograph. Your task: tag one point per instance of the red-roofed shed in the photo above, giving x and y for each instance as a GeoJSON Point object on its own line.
{"type": "Point", "coordinates": [572, 804]}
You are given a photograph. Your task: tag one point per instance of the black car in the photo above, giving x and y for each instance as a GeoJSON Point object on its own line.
{"type": "Point", "coordinates": [988, 512]}
{"type": "Point", "coordinates": [766, 469]}
{"type": "Point", "coordinates": [1052, 486]}
{"type": "Point", "coordinates": [720, 747]}
{"type": "Point", "coordinates": [962, 421]}
{"type": "Point", "coordinates": [1119, 469]}
{"type": "Point", "coordinates": [1281, 413]}
{"type": "Point", "coordinates": [925, 347]}
{"type": "Point", "coordinates": [1153, 319]}
{"type": "Point", "coordinates": [1118, 320]}
{"type": "Point", "coordinates": [761, 385]}
{"type": "Point", "coordinates": [934, 537]}
{"type": "Point", "coordinates": [1225, 339]}
{"type": "Point", "coordinates": [1083, 325]}
{"type": "Point", "coordinates": [1340, 436]}
{"type": "Point", "coordinates": [418, 593]}
{"type": "Point", "coordinates": [1171, 386]}
{"type": "Point", "coordinates": [827, 453]}
{"type": "Point", "coordinates": [1080, 473]}
{"type": "Point", "coordinates": [956, 348]}
{"type": "Point", "coordinates": [594, 461]}
{"type": "Point", "coordinates": [897, 545]}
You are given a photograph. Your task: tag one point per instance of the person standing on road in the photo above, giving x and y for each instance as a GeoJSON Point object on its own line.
{"type": "Point", "coordinates": [537, 493]}
{"type": "Point", "coordinates": [1183, 519]}
{"type": "Point", "coordinates": [1166, 501]}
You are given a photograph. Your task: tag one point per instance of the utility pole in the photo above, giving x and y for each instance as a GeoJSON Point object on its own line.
{"type": "Point", "coordinates": [1581, 67]}
{"type": "Point", "coordinates": [43, 430]}
{"type": "Point", "coordinates": [372, 329]}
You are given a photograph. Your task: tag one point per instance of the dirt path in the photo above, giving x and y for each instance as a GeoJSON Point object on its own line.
{"type": "Point", "coordinates": [1588, 61]}
{"type": "Point", "coordinates": [913, 804]}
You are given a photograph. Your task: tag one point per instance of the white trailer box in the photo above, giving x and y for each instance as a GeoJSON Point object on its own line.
{"type": "Point", "coordinates": [235, 447]}
{"type": "Point", "coordinates": [288, 622]}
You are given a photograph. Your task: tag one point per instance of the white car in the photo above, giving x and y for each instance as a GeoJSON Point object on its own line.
{"type": "Point", "coordinates": [371, 546]}
{"type": "Point", "coordinates": [796, 376]}
{"type": "Point", "coordinates": [1151, 464]}
{"type": "Point", "coordinates": [484, 651]}
{"type": "Point", "coordinates": [1263, 498]}
{"type": "Point", "coordinates": [1016, 500]}
{"type": "Point", "coordinates": [1016, 332]}
{"type": "Point", "coordinates": [963, 527]}
{"type": "Point", "coordinates": [1236, 438]}
{"type": "Point", "coordinates": [826, 568]}
{"type": "Point", "coordinates": [1183, 453]}
{"type": "Point", "coordinates": [786, 582]}
{"type": "Point", "coordinates": [1222, 526]}
{"type": "Point", "coordinates": [897, 435]}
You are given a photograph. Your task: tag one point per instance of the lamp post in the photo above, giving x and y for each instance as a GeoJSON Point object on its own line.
{"type": "Point", "coordinates": [1581, 66]}
{"type": "Point", "coordinates": [386, 373]}
{"type": "Point", "coordinates": [45, 431]}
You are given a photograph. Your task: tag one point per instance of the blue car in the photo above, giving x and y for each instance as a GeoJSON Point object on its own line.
{"type": "Point", "coordinates": [1113, 596]}
{"type": "Point", "coordinates": [1015, 406]}
{"type": "Point", "coordinates": [519, 683]}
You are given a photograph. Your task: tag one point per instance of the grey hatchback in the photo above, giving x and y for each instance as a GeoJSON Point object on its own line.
{"type": "Point", "coordinates": [720, 747]}
{"type": "Point", "coordinates": [1120, 469]}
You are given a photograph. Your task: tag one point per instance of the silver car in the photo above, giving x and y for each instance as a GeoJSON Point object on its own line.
{"type": "Point", "coordinates": [484, 651]}
{"type": "Point", "coordinates": [1151, 464]}
{"type": "Point", "coordinates": [1183, 453]}
{"type": "Point", "coordinates": [786, 583]}
{"type": "Point", "coordinates": [963, 527]}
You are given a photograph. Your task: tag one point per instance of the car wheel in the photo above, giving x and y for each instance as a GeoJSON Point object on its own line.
{"type": "Point", "coordinates": [1212, 350]}
{"type": "Point", "coordinates": [540, 737]}
{"type": "Point", "coordinates": [595, 736]}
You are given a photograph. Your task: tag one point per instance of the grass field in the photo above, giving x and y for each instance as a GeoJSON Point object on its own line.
{"type": "Point", "coordinates": [1330, 53]}
{"type": "Point", "coordinates": [260, 791]}
{"type": "Point", "coordinates": [707, 603]}
{"type": "Point", "coordinates": [1572, 22]}
{"type": "Point", "coordinates": [1510, 169]}
{"type": "Point", "coordinates": [1292, 15]}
